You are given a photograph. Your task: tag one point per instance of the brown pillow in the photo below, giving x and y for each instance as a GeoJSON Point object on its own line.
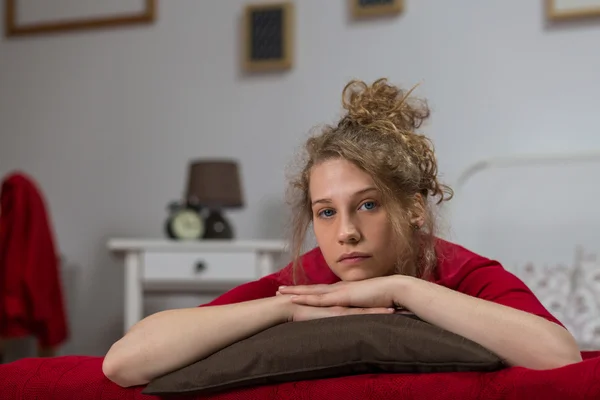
{"type": "Point", "coordinates": [329, 347]}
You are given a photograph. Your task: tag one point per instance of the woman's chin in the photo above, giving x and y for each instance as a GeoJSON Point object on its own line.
{"type": "Point", "coordinates": [356, 274]}
{"type": "Point", "coordinates": [360, 272]}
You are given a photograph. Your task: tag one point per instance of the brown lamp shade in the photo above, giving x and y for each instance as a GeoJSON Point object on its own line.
{"type": "Point", "coordinates": [214, 183]}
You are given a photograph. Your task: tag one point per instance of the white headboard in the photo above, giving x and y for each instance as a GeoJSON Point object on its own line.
{"type": "Point", "coordinates": [539, 215]}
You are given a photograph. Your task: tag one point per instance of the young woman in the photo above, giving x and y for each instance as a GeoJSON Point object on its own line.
{"type": "Point", "coordinates": [367, 189]}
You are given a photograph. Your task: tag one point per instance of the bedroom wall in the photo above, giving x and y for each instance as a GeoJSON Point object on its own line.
{"type": "Point", "coordinates": [106, 121]}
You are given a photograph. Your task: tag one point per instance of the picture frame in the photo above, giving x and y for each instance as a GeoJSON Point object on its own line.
{"type": "Point", "coordinates": [35, 17]}
{"type": "Point", "coordinates": [268, 36]}
{"type": "Point", "coordinates": [572, 9]}
{"type": "Point", "coordinates": [374, 8]}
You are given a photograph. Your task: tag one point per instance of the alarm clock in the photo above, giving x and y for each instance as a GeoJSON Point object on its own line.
{"type": "Point", "coordinates": [184, 222]}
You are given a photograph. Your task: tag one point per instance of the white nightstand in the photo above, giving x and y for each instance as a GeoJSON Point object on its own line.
{"type": "Point", "coordinates": [182, 266]}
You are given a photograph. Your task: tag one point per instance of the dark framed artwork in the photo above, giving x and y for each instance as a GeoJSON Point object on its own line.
{"type": "Point", "coordinates": [571, 9]}
{"type": "Point", "coordinates": [372, 8]}
{"type": "Point", "coordinates": [37, 17]}
{"type": "Point", "coordinates": [268, 36]}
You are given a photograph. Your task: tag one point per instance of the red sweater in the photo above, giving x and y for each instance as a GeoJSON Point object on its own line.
{"type": "Point", "coordinates": [458, 269]}
{"type": "Point", "coordinates": [31, 300]}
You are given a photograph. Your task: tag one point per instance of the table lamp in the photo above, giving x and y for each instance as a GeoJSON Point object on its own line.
{"type": "Point", "coordinates": [214, 185]}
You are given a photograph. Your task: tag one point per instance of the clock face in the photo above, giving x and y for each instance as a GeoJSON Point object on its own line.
{"type": "Point", "coordinates": [187, 224]}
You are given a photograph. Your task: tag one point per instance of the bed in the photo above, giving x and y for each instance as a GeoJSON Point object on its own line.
{"type": "Point", "coordinates": [80, 377]}
{"type": "Point", "coordinates": [558, 264]}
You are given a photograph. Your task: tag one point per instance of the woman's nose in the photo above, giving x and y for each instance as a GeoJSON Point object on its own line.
{"type": "Point", "coordinates": [348, 231]}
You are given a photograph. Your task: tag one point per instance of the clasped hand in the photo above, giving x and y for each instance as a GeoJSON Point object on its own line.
{"type": "Point", "coordinates": [369, 296]}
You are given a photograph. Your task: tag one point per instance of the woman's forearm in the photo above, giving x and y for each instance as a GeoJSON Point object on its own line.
{"type": "Point", "coordinates": [520, 338]}
{"type": "Point", "coordinates": [169, 340]}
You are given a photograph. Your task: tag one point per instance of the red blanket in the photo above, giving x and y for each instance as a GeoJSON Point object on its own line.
{"type": "Point", "coordinates": [80, 377]}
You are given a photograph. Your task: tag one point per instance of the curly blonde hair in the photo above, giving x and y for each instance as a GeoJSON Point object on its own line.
{"type": "Point", "coordinates": [378, 134]}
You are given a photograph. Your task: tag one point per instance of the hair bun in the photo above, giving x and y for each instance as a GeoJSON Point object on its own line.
{"type": "Point", "coordinates": [382, 103]}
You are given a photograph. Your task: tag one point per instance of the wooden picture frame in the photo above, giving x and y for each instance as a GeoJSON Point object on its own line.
{"type": "Point", "coordinates": [268, 36]}
{"type": "Point", "coordinates": [15, 28]}
{"type": "Point", "coordinates": [374, 8]}
{"type": "Point", "coordinates": [571, 9]}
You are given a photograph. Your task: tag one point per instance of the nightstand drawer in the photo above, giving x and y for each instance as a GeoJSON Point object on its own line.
{"type": "Point", "coordinates": [204, 266]}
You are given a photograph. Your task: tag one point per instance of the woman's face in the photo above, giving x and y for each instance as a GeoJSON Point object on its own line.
{"type": "Point", "coordinates": [351, 226]}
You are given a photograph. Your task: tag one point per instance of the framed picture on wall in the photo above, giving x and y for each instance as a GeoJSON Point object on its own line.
{"type": "Point", "coordinates": [35, 17]}
{"type": "Point", "coordinates": [372, 8]}
{"type": "Point", "coordinates": [268, 36]}
{"type": "Point", "coordinates": [569, 9]}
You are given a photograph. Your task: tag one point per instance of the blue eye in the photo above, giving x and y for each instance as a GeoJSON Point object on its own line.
{"type": "Point", "coordinates": [327, 213]}
{"type": "Point", "coordinates": [369, 205]}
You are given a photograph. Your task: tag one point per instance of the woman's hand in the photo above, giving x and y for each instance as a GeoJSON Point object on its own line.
{"type": "Point", "coordinates": [369, 293]}
{"type": "Point", "coordinates": [299, 312]}
{"type": "Point", "coordinates": [305, 313]}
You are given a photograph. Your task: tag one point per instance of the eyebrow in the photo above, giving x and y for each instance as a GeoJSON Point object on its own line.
{"type": "Point", "coordinates": [362, 191]}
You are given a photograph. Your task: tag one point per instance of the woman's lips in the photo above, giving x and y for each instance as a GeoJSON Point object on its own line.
{"type": "Point", "coordinates": [353, 258]}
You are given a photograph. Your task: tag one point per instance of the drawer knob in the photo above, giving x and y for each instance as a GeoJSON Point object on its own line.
{"type": "Point", "coordinates": [200, 266]}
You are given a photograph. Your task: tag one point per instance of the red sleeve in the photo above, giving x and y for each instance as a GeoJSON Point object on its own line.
{"type": "Point", "coordinates": [480, 277]}
{"type": "Point", "coordinates": [494, 283]}
{"type": "Point", "coordinates": [259, 289]}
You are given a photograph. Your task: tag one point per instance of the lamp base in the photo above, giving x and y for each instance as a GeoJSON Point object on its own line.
{"type": "Point", "coordinates": [217, 226]}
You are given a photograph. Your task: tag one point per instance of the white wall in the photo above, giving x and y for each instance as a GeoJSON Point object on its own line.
{"type": "Point", "coordinates": [106, 121]}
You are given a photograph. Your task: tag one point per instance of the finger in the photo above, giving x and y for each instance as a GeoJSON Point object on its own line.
{"type": "Point", "coordinates": [378, 310]}
{"type": "Point", "coordinates": [305, 289]}
{"type": "Point", "coordinates": [321, 300]}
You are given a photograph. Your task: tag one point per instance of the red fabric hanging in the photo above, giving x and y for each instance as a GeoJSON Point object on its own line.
{"type": "Point", "coordinates": [31, 296]}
